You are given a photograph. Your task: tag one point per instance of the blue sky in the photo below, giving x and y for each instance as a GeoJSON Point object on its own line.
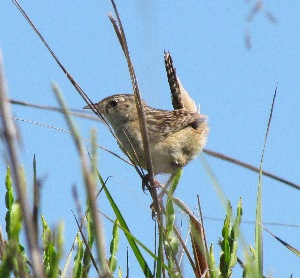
{"type": "Point", "coordinates": [233, 84]}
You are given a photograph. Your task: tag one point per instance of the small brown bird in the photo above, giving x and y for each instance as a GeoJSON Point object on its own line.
{"type": "Point", "coordinates": [176, 137]}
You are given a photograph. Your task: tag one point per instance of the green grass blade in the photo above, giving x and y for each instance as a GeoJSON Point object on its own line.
{"type": "Point", "coordinates": [114, 246]}
{"type": "Point", "coordinates": [213, 178]}
{"type": "Point", "coordinates": [171, 242]}
{"type": "Point", "coordinates": [132, 240]}
{"type": "Point", "coordinates": [52, 250]}
{"type": "Point", "coordinates": [143, 264]}
{"type": "Point", "coordinates": [77, 269]}
{"type": "Point", "coordinates": [214, 272]}
{"type": "Point", "coordinates": [9, 201]}
{"type": "Point", "coordinates": [67, 263]}
{"type": "Point", "coordinates": [258, 231]}
{"type": "Point", "coordinates": [159, 269]}
{"type": "Point", "coordinates": [258, 228]}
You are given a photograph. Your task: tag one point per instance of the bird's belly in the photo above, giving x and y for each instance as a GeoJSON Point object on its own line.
{"type": "Point", "coordinates": [178, 149]}
{"type": "Point", "coordinates": [168, 154]}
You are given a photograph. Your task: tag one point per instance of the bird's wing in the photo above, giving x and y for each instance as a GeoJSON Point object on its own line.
{"type": "Point", "coordinates": [161, 123]}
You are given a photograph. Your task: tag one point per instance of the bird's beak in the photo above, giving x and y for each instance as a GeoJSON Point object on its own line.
{"type": "Point", "coordinates": [87, 107]}
{"type": "Point", "coordinates": [94, 107]}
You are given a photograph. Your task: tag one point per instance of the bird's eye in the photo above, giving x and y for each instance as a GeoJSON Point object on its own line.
{"type": "Point", "coordinates": [113, 103]}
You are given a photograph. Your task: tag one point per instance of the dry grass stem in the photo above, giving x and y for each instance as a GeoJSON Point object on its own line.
{"type": "Point", "coordinates": [140, 109]}
{"type": "Point", "coordinates": [73, 112]}
{"type": "Point", "coordinates": [250, 167]}
{"type": "Point", "coordinates": [10, 138]}
{"type": "Point", "coordinates": [90, 187]}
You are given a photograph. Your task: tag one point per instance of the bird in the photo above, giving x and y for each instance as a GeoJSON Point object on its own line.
{"type": "Point", "coordinates": [176, 136]}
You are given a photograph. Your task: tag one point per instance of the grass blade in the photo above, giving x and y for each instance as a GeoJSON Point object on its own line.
{"type": "Point", "coordinates": [258, 229]}
{"type": "Point", "coordinates": [143, 264]}
{"type": "Point", "coordinates": [288, 246]}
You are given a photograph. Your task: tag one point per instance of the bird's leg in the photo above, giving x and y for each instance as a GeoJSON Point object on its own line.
{"type": "Point", "coordinates": [146, 185]}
